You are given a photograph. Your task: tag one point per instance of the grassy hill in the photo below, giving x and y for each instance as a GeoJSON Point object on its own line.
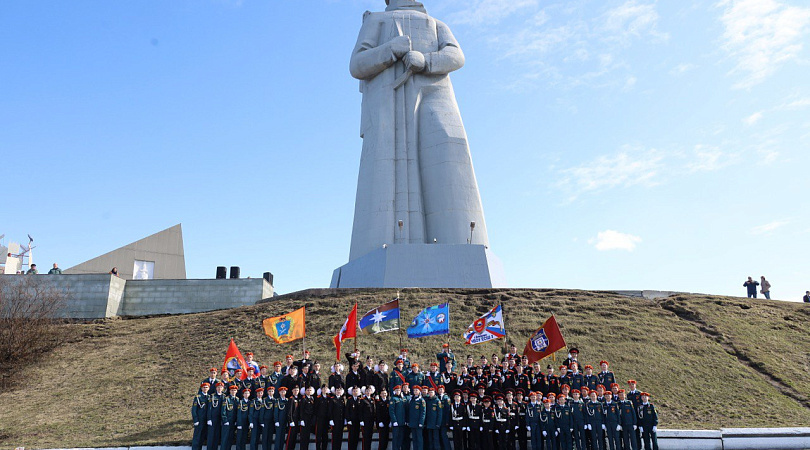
{"type": "Point", "coordinates": [710, 362]}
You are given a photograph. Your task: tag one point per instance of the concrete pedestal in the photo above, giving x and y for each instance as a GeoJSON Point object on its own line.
{"type": "Point", "coordinates": [422, 265]}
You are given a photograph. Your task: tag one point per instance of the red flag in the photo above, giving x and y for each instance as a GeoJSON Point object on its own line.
{"type": "Point", "coordinates": [545, 341]}
{"type": "Point", "coordinates": [347, 331]}
{"type": "Point", "coordinates": [234, 360]}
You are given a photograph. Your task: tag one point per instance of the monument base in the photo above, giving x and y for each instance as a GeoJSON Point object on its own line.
{"type": "Point", "coordinates": [422, 265]}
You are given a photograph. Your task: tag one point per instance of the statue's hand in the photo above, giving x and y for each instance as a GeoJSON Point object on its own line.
{"type": "Point", "coordinates": [400, 45]}
{"type": "Point", "coordinates": [414, 61]}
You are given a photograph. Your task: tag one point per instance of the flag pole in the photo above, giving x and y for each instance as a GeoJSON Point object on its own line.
{"type": "Point", "coordinates": [355, 332]}
{"type": "Point", "coordinates": [505, 331]}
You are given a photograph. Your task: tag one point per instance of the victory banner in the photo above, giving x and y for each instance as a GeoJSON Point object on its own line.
{"type": "Point", "coordinates": [380, 319]}
{"type": "Point", "coordinates": [545, 341]}
{"type": "Point", "coordinates": [431, 322]}
{"type": "Point", "coordinates": [234, 360]}
{"type": "Point", "coordinates": [287, 328]}
{"type": "Point", "coordinates": [486, 328]}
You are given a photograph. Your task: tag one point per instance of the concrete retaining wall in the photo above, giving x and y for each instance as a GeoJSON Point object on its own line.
{"type": "Point", "coordinates": [96, 296]}
{"type": "Point", "coordinates": [144, 297]}
{"type": "Point", "coordinates": [724, 439]}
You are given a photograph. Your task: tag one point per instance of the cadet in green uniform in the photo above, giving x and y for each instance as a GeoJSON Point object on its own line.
{"type": "Point", "coordinates": [256, 416]}
{"type": "Point", "coordinates": [242, 419]}
{"type": "Point", "coordinates": [580, 426]}
{"type": "Point", "coordinates": [612, 422]}
{"type": "Point", "coordinates": [199, 416]}
{"type": "Point", "coordinates": [533, 421]}
{"type": "Point", "coordinates": [564, 420]}
{"type": "Point", "coordinates": [628, 420]}
{"type": "Point", "coordinates": [596, 421]}
{"type": "Point", "coordinates": [547, 425]}
{"type": "Point", "coordinates": [281, 417]}
{"type": "Point", "coordinates": [444, 357]}
{"type": "Point", "coordinates": [268, 418]}
{"type": "Point", "coordinates": [416, 416]}
{"type": "Point", "coordinates": [415, 377]}
{"type": "Point", "coordinates": [214, 423]}
{"type": "Point", "coordinates": [228, 417]}
{"type": "Point", "coordinates": [433, 419]}
{"type": "Point", "coordinates": [648, 422]}
{"type": "Point", "coordinates": [396, 409]}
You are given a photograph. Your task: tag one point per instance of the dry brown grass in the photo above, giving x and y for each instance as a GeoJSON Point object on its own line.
{"type": "Point", "coordinates": [709, 361]}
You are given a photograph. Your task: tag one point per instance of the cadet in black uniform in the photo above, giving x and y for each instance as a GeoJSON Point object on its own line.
{"type": "Point", "coordinates": [501, 424]}
{"type": "Point", "coordinates": [368, 415]}
{"type": "Point", "coordinates": [293, 416]}
{"type": "Point", "coordinates": [322, 420]}
{"type": "Point", "coordinates": [474, 424]}
{"type": "Point", "coordinates": [337, 417]}
{"type": "Point", "coordinates": [306, 416]}
{"type": "Point", "coordinates": [353, 417]}
{"type": "Point", "coordinates": [458, 421]}
{"type": "Point", "coordinates": [487, 424]}
{"type": "Point", "coordinates": [383, 419]}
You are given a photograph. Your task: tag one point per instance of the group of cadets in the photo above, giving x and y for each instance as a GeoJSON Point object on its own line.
{"type": "Point", "coordinates": [487, 406]}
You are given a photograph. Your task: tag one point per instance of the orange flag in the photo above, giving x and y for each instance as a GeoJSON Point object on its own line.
{"type": "Point", "coordinates": [286, 328]}
{"type": "Point", "coordinates": [347, 331]}
{"type": "Point", "coordinates": [234, 360]}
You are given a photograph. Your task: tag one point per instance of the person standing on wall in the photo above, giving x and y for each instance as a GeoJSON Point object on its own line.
{"type": "Point", "coordinates": [766, 287]}
{"type": "Point", "coordinates": [752, 287]}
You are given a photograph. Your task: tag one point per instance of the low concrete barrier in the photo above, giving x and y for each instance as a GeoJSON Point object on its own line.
{"type": "Point", "coordinates": [724, 439]}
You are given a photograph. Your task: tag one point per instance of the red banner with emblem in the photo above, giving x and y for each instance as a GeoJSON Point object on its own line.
{"type": "Point", "coordinates": [545, 341]}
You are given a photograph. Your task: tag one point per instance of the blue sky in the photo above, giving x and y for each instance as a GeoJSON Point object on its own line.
{"type": "Point", "coordinates": [617, 144]}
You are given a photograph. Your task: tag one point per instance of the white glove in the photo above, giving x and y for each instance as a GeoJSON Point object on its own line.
{"type": "Point", "coordinates": [302, 423]}
{"type": "Point", "coordinates": [277, 424]}
{"type": "Point", "coordinates": [292, 424]}
{"type": "Point", "coordinates": [250, 426]}
{"type": "Point", "coordinates": [584, 427]}
{"type": "Point", "coordinates": [618, 428]}
{"type": "Point", "coordinates": [239, 428]}
{"type": "Point", "coordinates": [507, 431]}
{"type": "Point", "coordinates": [451, 428]}
{"type": "Point", "coordinates": [590, 427]}
{"type": "Point", "coordinates": [362, 424]}
{"type": "Point", "coordinates": [497, 432]}
{"type": "Point", "coordinates": [516, 428]}
{"type": "Point", "coordinates": [655, 429]}
{"type": "Point", "coordinates": [635, 427]}
{"type": "Point", "coordinates": [641, 429]}
{"type": "Point", "coordinates": [396, 424]}
{"type": "Point", "coordinates": [480, 428]}
{"type": "Point", "coordinates": [382, 425]}
{"type": "Point", "coordinates": [262, 425]}
{"type": "Point", "coordinates": [529, 428]}
{"type": "Point", "coordinates": [344, 422]}
{"type": "Point", "coordinates": [209, 423]}
{"type": "Point", "coordinates": [226, 423]}
{"type": "Point", "coordinates": [420, 425]}
{"type": "Point", "coordinates": [604, 427]}
{"type": "Point", "coordinates": [556, 433]}
{"type": "Point", "coordinates": [350, 422]}
{"type": "Point", "coordinates": [196, 423]}
{"type": "Point", "coordinates": [571, 430]}
{"type": "Point", "coordinates": [545, 433]}
{"type": "Point", "coordinates": [331, 423]}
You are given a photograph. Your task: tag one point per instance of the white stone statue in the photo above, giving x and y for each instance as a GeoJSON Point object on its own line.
{"type": "Point", "coordinates": [416, 165]}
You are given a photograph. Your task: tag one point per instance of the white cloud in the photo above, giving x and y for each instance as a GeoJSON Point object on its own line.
{"type": "Point", "coordinates": [709, 158]}
{"type": "Point", "coordinates": [795, 104]}
{"type": "Point", "coordinates": [762, 35]}
{"type": "Point", "coordinates": [769, 227]}
{"type": "Point", "coordinates": [490, 11]}
{"type": "Point", "coordinates": [682, 68]}
{"type": "Point", "coordinates": [753, 118]}
{"type": "Point", "coordinates": [614, 240]}
{"type": "Point", "coordinates": [631, 20]}
{"type": "Point", "coordinates": [629, 167]}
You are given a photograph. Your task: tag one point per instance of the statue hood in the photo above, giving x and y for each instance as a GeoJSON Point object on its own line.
{"type": "Point", "coordinates": [398, 5]}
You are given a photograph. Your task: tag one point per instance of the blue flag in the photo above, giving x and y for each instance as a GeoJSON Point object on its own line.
{"type": "Point", "coordinates": [431, 321]}
{"type": "Point", "coordinates": [382, 318]}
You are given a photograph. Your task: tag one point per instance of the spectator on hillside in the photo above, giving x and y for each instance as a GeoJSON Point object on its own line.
{"type": "Point", "coordinates": [33, 270]}
{"type": "Point", "coordinates": [806, 297]}
{"type": "Point", "coordinates": [752, 287]}
{"type": "Point", "coordinates": [56, 270]}
{"type": "Point", "coordinates": [766, 287]}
